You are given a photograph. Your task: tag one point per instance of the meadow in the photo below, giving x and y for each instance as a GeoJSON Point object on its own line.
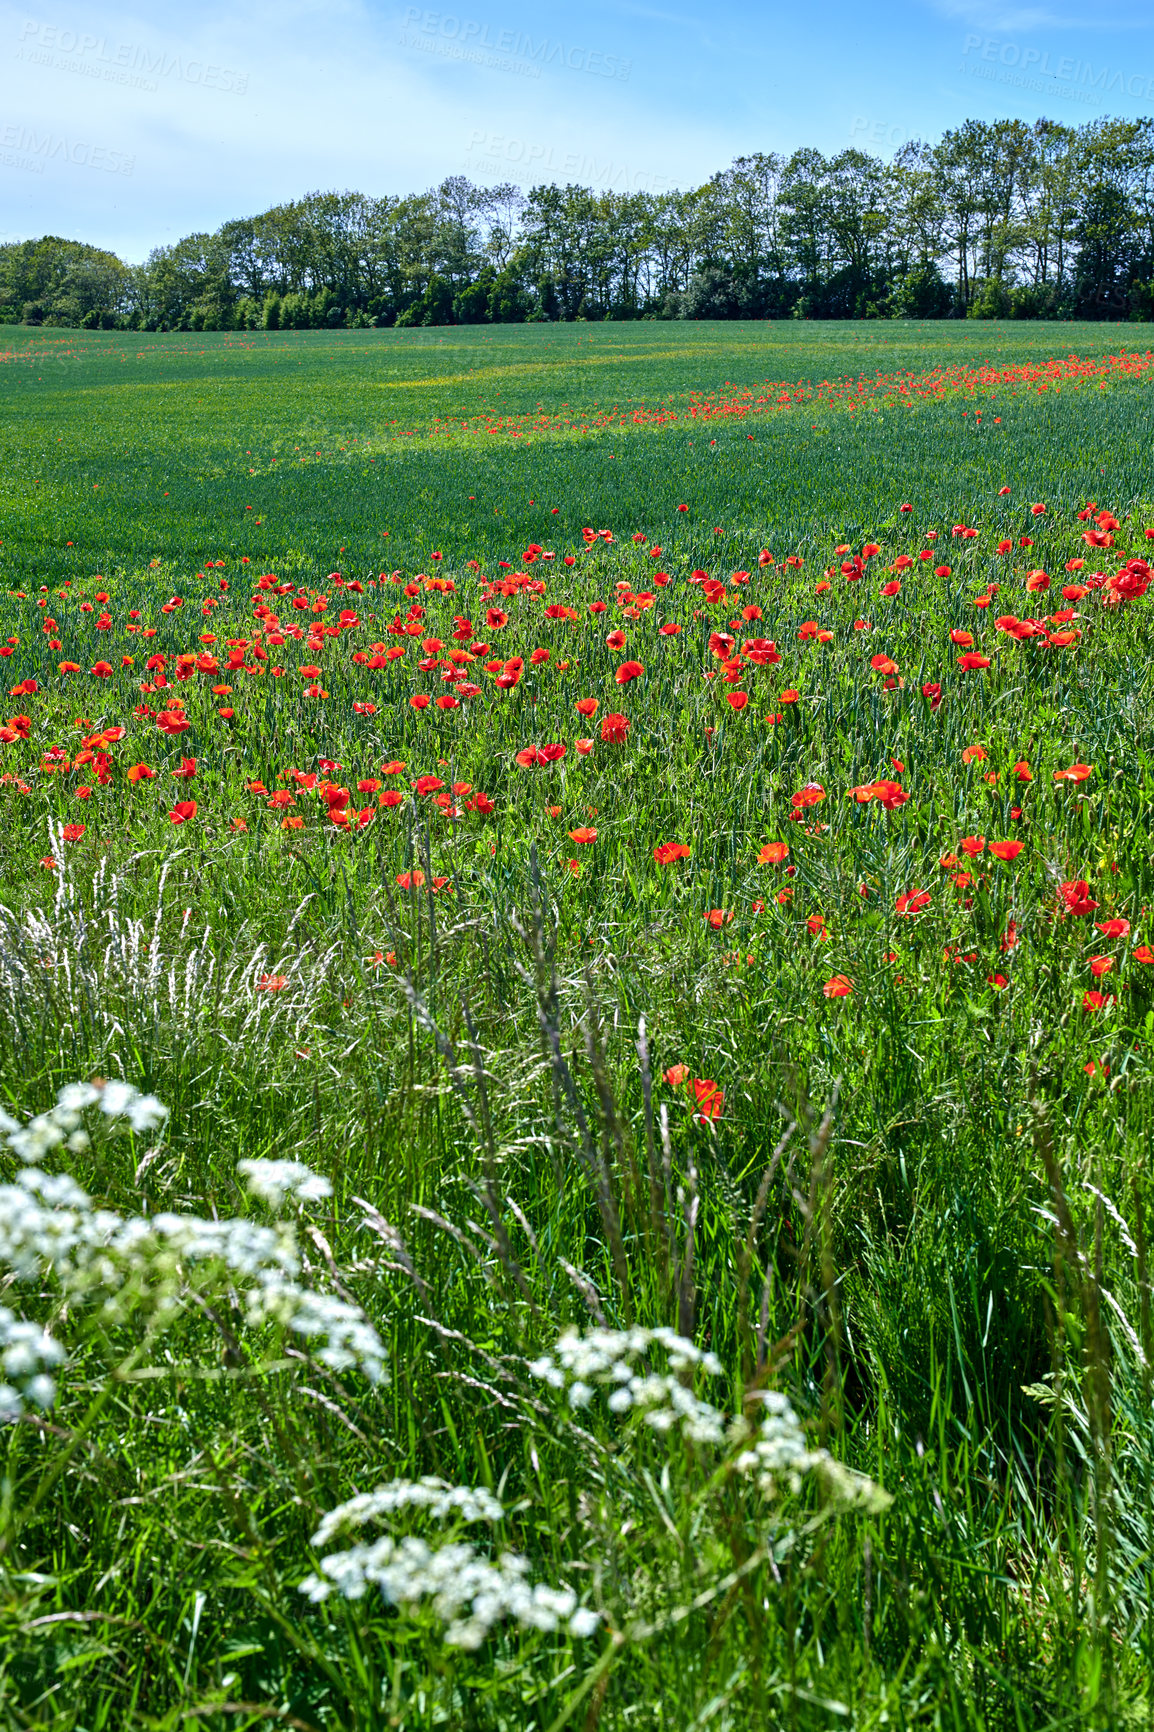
{"type": "Point", "coordinates": [577, 1010]}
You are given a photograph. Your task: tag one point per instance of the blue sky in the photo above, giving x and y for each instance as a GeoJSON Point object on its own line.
{"type": "Point", "coordinates": [130, 126]}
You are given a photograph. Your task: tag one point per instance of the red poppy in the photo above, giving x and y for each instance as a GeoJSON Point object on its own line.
{"type": "Point", "coordinates": [140, 773]}
{"type": "Point", "coordinates": [628, 671]}
{"type": "Point", "coordinates": [912, 901]}
{"type": "Point", "coordinates": [411, 880]}
{"type": "Point", "coordinates": [667, 852]}
{"type": "Point", "coordinates": [73, 832]}
{"type": "Point", "coordinates": [773, 853]}
{"type": "Point", "coordinates": [1116, 928]}
{"type": "Point", "coordinates": [838, 986]}
{"type": "Point", "coordinates": [811, 795]}
{"type": "Point", "coordinates": [1100, 965]}
{"type": "Point", "coordinates": [1097, 1000]}
{"type": "Point", "coordinates": [182, 812]}
{"type": "Point", "coordinates": [973, 845]}
{"type": "Point", "coordinates": [1006, 850]}
{"type": "Point", "coordinates": [1076, 773]}
{"type": "Point", "coordinates": [737, 700]}
{"type": "Point", "coordinates": [187, 769]}
{"type": "Point", "coordinates": [1075, 893]}
{"type": "Point", "coordinates": [676, 1075]}
{"type": "Point", "coordinates": [1143, 953]}
{"type": "Point", "coordinates": [586, 706]}
{"type": "Point", "coordinates": [718, 917]}
{"type": "Point", "coordinates": [972, 660]}
{"type": "Point", "coordinates": [584, 834]}
{"type": "Point", "coordinates": [272, 983]}
{"type": "Point", "coordinates": [998, 980]}
{"type": "Point", "coordinates": [708, 1097]}
{"type": "Point", "coordinates": [614, 728]}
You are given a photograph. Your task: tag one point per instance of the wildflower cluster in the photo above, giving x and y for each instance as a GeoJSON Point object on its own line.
{"type": "Point", "coordinates": [468, 1592]}
{"type": "Point", "coordinates": [51, 1230]}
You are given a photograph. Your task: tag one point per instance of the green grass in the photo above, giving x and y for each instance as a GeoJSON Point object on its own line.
{"type": "Point", "coordinates": [935, 1268]}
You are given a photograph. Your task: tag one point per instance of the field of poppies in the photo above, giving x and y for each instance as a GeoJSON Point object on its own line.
{"type": "Point", "coordinates": [577, 988]}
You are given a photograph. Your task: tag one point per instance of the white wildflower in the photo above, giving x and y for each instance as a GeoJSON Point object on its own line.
{"type": "Point", "coordinates": [609, 1359]}
{"type": "Point", "coordinates": [433, 1497]}
{"type": "Point", "coordinates": [468, 1592]}
{"type": "Point", "coordinates": [49, 1226]}
{"type": "Point", "coordinates": [273, 1181]}
{"type": "Point", "coordinates": [27, 1357]}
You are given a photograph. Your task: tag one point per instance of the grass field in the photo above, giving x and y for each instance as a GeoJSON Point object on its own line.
{"type": "Point", "coordinates": [654, 819]}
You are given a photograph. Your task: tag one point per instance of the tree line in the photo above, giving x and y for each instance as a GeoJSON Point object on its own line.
{"type": "Point", "coordinates": [999, 219]}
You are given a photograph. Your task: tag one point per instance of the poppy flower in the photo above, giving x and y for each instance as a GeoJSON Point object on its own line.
{"type": "Point", "coordinates": [1006, 850]}
{"type": "Point", "coordinates": [961, 638]}
{"type": "Point", "coordinates": [73, 832]}
{"type": "Point", "coordinates": [390, 797]}
{"type": "Point", "coordinates": [140, 773]}
{"type": "Point", "coordinates": [628, 671]}
{"type": "Point", "coordinates": [182, 812]}
{"type": "Point", "coordinates": [615, 640]}
{"type": "Point", "coordinates": [586, 706]}
{"type": "Point", "coordinates": [708, 1097]}
{"type": "Point", "coordinates": [912, 901]}
{"type": "Point", "coordinates": [1097, 1000]}
{"type": "Point", "coordinates": [811, 795]}
{"type": "Point", "coordinates": [1100, 965]}
{"type": "Point", "coordinates": [1143, 953]}
{"type": "Point", "coordinates": [972, 660]}
{"type": "Point", "coordinates": [187, 769]}
{"type": "Point", "coordinates": [973, 845]}
{"type": "Point", "coordinates": [773, 853]}
{"type": "Point", "coordinates": [281, 798]}
{"type": "Point", "coordinates": [1075, 893]}
{"type": "Point", "coordinates": [293, 822]}
{"type": "Point", "coordinates": [419, 701]}
{"type": "Point", "coordinates": [717, 917]}
{"type": "Point", "coordinates": [737, 700]}
{"type": "Point", "coordinates": [1037, 511]}
{"type": "Point", "coordinates": [411, 880]}
{"type": "Point", "coordinates": [838, 986]}
{"type": "Point", "coordinates": [676, 1075]}
{"type": "Point", "coordinates": [666, 852]}
{"type": "Point", "coordinates": [1076, 773]}
{"type": "Point", "coordinates": [614, 728]}
{"type": "Point", "coordinates": [1116, 928]}
{"type": "Point", "coordinates": [272, 983]}
{"type": "Point", "coordinates": [584, 834]}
